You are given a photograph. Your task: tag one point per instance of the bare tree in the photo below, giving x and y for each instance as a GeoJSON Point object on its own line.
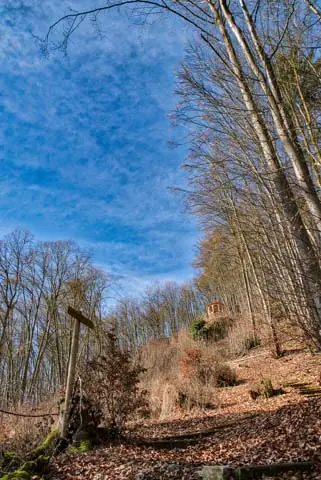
{"type": "Point", "coordinates": [37, 282]}
{"type": "Point", "coordinates": [250, 94]}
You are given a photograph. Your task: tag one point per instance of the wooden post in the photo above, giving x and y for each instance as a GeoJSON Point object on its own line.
{"type": "Point", "coordinates": [78, 318]}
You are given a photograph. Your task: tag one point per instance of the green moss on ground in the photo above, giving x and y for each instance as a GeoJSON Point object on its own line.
{"type": "Point", "coordinates": [84, 446]}
{"type": "Point", "coordinates": [37, 460]}
{"type": "Point", "coordinates": [28, 469]}
{"type": "Point", "coordinates": [10, 458]}
{"type": "Point", "coordinates": [18, 475]}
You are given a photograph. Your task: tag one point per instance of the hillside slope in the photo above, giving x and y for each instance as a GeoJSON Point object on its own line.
{"type": "Point", "coordinates": [240, 431]}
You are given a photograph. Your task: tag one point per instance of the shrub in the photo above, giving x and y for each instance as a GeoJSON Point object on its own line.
{"type": "Point", "coordinates": [195, 396]}
{"type": "Point", "coordinates": [183, 373]}
{"type": "Point", "coordinates": [241, 337]}
{"type": "Point", "coordinates": [112, 383]}
{"type": "Point", "coordinates": [210, 331]}
{"type": "Point", "coordinates": [184, 396]}
{"type": "Point", "coordinates": [251, 342]}
{"type": "Point", "coordinates": [198, 329]}
{"type": "Point", "coordinates": [219, 329]}
{"type": "Point", "coordinates": [207, 369]}
{"type": "Point", "coordinates": [265, 390]}
{"type": "Point", "coordinates": [225, 376]}
{"type": "Point", "coordinates": [190, 362]}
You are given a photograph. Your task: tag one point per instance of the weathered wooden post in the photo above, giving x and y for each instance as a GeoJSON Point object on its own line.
{"type": "Point", "coordinates": [78, 319]}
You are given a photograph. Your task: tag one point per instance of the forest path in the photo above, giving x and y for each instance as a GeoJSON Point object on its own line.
{"type": "Point", "coordinates": [240, 432]}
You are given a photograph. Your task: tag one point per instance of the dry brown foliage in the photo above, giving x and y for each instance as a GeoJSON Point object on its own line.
{"type": "Point", "coordinates": [111, 383]}
{"type": "Point", "coordinates": [182, 373]}
{"type": "Point", "coordinates": [20, 433]}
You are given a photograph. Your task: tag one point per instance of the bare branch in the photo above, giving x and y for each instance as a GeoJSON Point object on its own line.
{"type": "Point", "coordinates": [72, 17]}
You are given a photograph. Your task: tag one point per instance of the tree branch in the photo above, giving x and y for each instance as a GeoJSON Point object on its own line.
{"type": "Point", "coordinates": [83, 14]}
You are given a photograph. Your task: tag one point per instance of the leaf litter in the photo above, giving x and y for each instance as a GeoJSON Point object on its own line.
{"type": "Point", "coordinates": [240, 432]}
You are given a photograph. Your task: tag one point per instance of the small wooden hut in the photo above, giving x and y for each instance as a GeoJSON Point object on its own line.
{"type": "Point", "coordinates": [214, 308]}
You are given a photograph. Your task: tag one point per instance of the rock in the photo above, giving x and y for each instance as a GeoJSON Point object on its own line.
{"type": "Point", "coordinates": [216, 472]}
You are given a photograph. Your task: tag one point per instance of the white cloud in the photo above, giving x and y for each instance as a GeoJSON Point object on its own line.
{"type": "Point", "coordinates": [85, 138]}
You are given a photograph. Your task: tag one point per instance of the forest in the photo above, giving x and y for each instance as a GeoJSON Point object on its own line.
{"type": "Point", "coordinates": [157, 377]}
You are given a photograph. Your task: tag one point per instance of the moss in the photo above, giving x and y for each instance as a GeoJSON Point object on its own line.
{"type": "Point", "coordinates": [28, 469]}
{"type": "Point", "coordinates": [84, 446]}
{"type": "Point", "coordinates": [9, 455]}
{"type": "Point", "coordinates": [10, 458]}
{"type": "Point", "coordinates": [45, 445]}
{"type": "Point", "coordinates": [17, 475]}
{"type": "Point", "coordinates": [29, 466]}
{"type": "Point", "coordinates": [37, 465]}
{"type": "Point", "coordinates": [42, 460]}
{"type": "Point", "coordinates": [22, 474]}
{"type": "Point", "coordinates": [48, 441]}
{"type": "Point", "coordinates": [36, 460]}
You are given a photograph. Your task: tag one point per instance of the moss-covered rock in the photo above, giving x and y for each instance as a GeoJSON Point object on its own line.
{"type": "Point", "coordinates": [36, 462]}
{"type": "Point", "coordinates": [28, 469]}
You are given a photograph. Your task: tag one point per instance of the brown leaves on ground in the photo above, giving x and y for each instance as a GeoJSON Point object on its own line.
{"type": "Point", "coordinates": [282, 429]}
{"type": "Point", "coordinates": [292, 433]}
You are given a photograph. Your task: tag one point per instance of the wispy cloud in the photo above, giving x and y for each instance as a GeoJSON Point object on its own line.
{"type": "Point", "coordinates": [84, 139]}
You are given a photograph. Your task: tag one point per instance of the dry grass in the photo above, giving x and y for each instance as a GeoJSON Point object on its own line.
{"type": "Point", "coordinates": [20, 433]}
{"type": "Point", "coordinates": [182, 375]}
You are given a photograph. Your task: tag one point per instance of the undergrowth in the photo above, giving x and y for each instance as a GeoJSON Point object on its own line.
{"type": "Point", "coordinates": [183, 374]}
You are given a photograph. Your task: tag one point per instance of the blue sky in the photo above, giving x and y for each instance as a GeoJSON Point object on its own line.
{"type": "Point", "coordinates": [84, 139]}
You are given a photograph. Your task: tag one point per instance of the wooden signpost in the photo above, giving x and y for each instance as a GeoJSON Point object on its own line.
{"type": "Point", "coordinates": [78, 319]}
